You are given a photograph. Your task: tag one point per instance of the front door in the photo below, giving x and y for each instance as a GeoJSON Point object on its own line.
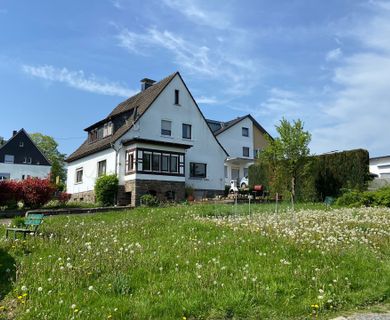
{"type": "Point", "coordinates": [236, 175]}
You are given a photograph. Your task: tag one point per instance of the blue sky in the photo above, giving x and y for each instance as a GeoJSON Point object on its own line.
{"type": "Point", "coordinates": [66, 64]}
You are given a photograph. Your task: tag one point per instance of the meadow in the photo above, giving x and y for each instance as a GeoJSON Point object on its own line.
{"type": "Point", "coordinates": [199, 262]}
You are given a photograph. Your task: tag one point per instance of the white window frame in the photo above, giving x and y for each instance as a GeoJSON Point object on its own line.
{"type": "Point", "coordinates": [170, 128]}
{"type": "Point", "coordinates": [82, 174]}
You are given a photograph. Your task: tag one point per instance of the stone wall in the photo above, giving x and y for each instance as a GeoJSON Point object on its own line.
{"type": "Point", "coordinates": [87, 196]}
{"type": "Point", "coordinates": [163, 190]}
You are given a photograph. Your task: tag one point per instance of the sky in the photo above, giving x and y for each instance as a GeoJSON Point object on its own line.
{"type": "Point", "coordinates": [65, 65]}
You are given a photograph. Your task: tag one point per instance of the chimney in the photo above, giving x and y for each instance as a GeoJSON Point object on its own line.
{"type": "Point", "coordinates": [14, 133]}
{"type": "Point", "coordinates": [146, 83]}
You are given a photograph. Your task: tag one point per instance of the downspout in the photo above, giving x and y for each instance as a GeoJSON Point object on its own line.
{"type": "Point", "coordinates": [112, 145]}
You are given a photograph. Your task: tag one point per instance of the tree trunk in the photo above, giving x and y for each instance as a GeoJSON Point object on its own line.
{"type": "Point", "coordinates": [292, 191]}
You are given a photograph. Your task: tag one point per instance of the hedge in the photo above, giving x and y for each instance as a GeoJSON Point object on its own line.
{"type": "Point", "coordinates": [323, 175]}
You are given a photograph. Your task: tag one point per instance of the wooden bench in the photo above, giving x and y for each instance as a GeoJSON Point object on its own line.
{"type": "Point", "coordinates": [32, 221]}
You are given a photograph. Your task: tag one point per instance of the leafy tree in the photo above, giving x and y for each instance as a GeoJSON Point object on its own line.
{"type": "Point", "coordinates": [288, 153]}
{"type": "Point", "coordinates": [49, 147]}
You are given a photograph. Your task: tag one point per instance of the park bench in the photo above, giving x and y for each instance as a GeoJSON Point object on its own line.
{"type": "Point", "coordinates": [32, 221]}
{"type": "Point", "coordinates": [328, 201]}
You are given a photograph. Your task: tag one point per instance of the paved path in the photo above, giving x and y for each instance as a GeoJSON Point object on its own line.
{"type": "Point", "coordinates": [366, 316]}
{"type": "Point", "coordinates": [5, 221]}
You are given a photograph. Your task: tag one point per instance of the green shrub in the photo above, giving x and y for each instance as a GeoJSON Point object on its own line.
{"type": "Point", "coordinates": [382, 197]}
{"type": "Point", "coordinates": [148, 200]}
{"type": "Point", "coordinates": [350, 198]}
{"type": "Point", "coordinates": [106, 189]}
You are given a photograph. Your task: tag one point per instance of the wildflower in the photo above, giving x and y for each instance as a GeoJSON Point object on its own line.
{"type": "Point", "coordinates": [24, 288]}
{"type": "Point", "coordinates": [73, 306]}
{"type": "Point", "coordinates": [90, 288]}
{"type": "Point", "coordinates": [40, 289]}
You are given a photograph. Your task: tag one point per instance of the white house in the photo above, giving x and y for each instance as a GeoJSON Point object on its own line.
{"type": "Point", "coordinates": [157, 142]}
{"type": "Point", "coordinates": [243, 138]}
{"type": "Point", "coordinates": [380, 166]}
{"type": "Point", "coordinates": [20, 158]}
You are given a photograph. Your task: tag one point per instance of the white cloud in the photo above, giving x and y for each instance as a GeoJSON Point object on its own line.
{"type": "Point", "coordinates": [207, 100]}
{"type": "Point", "coordinates": [78, 80]}
{"type": "Point", "coordinates": [359, 111]}
{"type": "Point", "coordinates": [193, 11]}
{"type": "Point", "coordinates": [334, 54]}
{"type": "Point", "coordinates": [239, 74]}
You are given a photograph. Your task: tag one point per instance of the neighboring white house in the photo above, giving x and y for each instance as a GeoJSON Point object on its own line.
{"type": "Point", "coordinates": [243, 138]}
{"type": "Point", "coordinates": [380, 166]}
{"type": "Point", "coordinates": [20, 158]}
{"type": "Point", "coordinates": [157, 142]}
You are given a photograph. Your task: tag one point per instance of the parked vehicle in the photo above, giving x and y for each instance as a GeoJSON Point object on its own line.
{"type": "Point", "coordinates": [244, 183]}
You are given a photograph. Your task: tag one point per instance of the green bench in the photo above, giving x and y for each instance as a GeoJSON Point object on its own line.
{"type": "Point", "coordinates": [328, 201]}
{"type": "Point", "coordinates": [32, 221]}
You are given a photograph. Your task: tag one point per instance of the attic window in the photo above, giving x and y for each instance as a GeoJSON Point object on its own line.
{"type": "Point", "coordinates": [21, 144]}
{"type": "Point", "coordinates": [177, 97]}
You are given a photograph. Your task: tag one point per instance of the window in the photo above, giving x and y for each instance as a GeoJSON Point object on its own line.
{"type": "Point", "coordinates": [29, 160]}
{"type": "Point", "coordinates": [256, 153]}
{"type": "Point", "coordinates": [226, 171]}
{"type": "Point", "coordinates": [245, 172]}
{"type": "Point", "coordinates": [9, 158]}
{"type": "Point", "coordinates": [186, 131]}
{"type": "Point", "coordinates": [197, 170]}
{"type": "Point", "coordinates": [245, 151]}
{"type": "Point", "coordinates": [174, 163]}
{"type": "Point", "coordinates": [245, 132]}
{"type": "Point", "coordinates": [4, 176]}
{"type": "Point", "coordinates": [107, 129]}
{"type": "Point", "coordinates": [156, 161]}
{"type": "Point", "coordinates": [166, 127]}
{"type": "Point", "coordinates": [165, 162]}
{"type": "Point", "coordinates": [177, 97]}
{"type": "Point", "coordinates": [130, 161]}
{"type": "Point", "coordinates": [79, 175]}
{"type": "Point", "coordinates": [25, 160]}
{"type": "Point", "coordinates": [21, 144]}
{"type": "Point", "coordinates": [146, 161]}
{"type": "Point", "coordinates": [102, 165]}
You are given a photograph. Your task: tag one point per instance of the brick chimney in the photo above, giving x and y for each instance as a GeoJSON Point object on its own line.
{"type": "Point", "coordinates": [146, 83]}
{"type": "Point", "coordinates": [14, 132]}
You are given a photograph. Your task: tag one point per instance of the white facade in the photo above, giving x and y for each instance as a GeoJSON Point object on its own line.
{"type": "Point", "coordinates": [380, 166]}
{"type": "Point", "coordinates": [233, 140]}
{"type": "Point", "coordinates": [89, 165]}
{"type": "Point", "coordinates": [23, 171]}
{"type": "Point", "coordinates": [205, 148]}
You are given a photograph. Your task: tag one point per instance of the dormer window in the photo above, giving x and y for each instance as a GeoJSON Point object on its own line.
{"type": "Point", "coordinates": [21, 144]}
{"type": "Point", "coordinates": [107, 129]}
{"type": "Point", "coordinates": [177, 97]}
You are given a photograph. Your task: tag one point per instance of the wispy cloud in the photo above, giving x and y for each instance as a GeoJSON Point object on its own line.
{"type": "Point", "coordinates": [360, 109]}
{"type": "Point", "coordinates": [77, 80]}
{"type": "Point", "coordinates": [194, 12]}
{"type": "Point", "coordinates": [207, 100]}
{"type": "Point", "coordinates": [334, 54]}
{"type": "Point", "coordinates": [239, 74]}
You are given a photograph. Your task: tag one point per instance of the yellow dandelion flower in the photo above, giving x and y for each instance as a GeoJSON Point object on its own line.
{"type": "Point", "coordinates": [24, 294]}
{"type": "Point", "coordinates": [76, 310]}
{"type": "Point", "coordinates": [20, 297]}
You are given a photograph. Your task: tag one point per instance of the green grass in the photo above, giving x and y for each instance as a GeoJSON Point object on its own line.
{"type": "Point", "coordinates": [198, 262]}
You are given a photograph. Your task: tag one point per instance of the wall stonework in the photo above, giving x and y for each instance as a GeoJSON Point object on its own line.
{"type": "Point", "coordinates": [163, 190]}
{"type": "Point", "coordinates": [87, 196]}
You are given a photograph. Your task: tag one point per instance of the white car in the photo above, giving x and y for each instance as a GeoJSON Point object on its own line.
{"type": "Point", "coordinates": [244, 183]}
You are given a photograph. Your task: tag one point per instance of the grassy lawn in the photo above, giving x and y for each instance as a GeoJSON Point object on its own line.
{"type": "Point", "coordinates": [199, 262]}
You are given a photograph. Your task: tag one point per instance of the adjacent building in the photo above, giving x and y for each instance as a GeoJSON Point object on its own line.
{"type": "Point", "coordinates": [157, 142]}
{"type": "Point", "coordinates": [243, 138]}
{"type": "Point", "coordinates": [20, 158]}
{"type": "Point", "coordinates": [380, 166]}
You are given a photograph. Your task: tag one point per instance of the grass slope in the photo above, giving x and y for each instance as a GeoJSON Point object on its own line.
{"type": "Point", "coordinates": [181, 262]}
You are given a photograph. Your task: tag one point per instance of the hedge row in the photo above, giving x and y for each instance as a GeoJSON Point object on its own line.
{"type": "Point", "coordinates": [355, 198]}
{"type": "Point", "coordinates": [321, 176]}
{"type": "Point", "coordinates": [33, 192]}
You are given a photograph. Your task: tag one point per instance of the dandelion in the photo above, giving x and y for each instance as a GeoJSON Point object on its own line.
{"type": "Point", "coordinates": [90, 288]}
{"type": "Point", "coordinates": [24, 288]}
{"type": "Point", "coordinates": [73, 306]}
{"type": "Point", "coordinates": [40, 289]}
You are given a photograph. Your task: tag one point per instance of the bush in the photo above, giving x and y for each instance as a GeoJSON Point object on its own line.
{"type": "Point", "coordinates": [63, 197]}
{"type": "Point", "coordinates": [106, 189]}
{"type": "Point", "coordinates": [382, 197]}
{"type": "Point", "coordinates": [33, 192]}
{"type": "Point", "coordinates": [354, 198]}
{"type": "Point", "coordinates": [148, 200]}
{"type": "Point", "coordinates": [350, 198]}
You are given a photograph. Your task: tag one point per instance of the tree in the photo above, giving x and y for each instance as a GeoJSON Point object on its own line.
{"type": "Point", "coordinates": [289, 151]}
{"type": "Point", "coordinates": [49, 147]}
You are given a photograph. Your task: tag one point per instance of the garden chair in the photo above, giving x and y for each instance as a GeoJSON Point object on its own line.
{"type": "Point", "coordinates": [32, 221]}
{"type": "Point", "coordinates": [328, 201]}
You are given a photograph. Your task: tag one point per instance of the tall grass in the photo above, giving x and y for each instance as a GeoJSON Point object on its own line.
{"type": "Point", "coordinates": [195, 262]}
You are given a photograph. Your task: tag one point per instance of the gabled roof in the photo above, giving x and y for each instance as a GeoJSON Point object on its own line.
{"type": "Point", "coordinates": [139, 102]}
{"type": "Point", "coordinates": [223, 126]}
{"type": "Point", "coordinates": [23, 132]}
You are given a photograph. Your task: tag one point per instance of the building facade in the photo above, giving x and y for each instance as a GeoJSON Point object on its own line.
{"type": "Point", "coordinates": [243, 138]}
{"type": "Point", "coordinates": [157, 142]}
{"type": "Point", "coordinates": [20, 158]}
